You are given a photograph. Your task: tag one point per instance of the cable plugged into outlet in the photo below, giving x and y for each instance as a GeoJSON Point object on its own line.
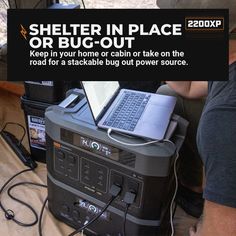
{"type": "Point", "coordinates": [114, 191]}
{"type": "Point", "coordinates": [128, 184]}
{"type": "Point", "coordinates": [133, 186]}
{"type": "Point", "coordinates": [129, 199]}
{"type": "Point", "coordinates": [117, 179]}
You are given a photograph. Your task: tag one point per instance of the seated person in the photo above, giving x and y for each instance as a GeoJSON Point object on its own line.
{"type": "Point", "coordinates": [190, 171]}
{"type": "Point", "coordinates": [216, 137]}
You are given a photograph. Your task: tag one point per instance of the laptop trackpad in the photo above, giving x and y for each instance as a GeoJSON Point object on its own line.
{"type": "Point", "coordinates": [154, 121]}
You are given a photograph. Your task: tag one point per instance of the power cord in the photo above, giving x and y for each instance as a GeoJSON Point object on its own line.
{"type": "Point", "coordinates": [83, 4]}
{"type": "Point", "coordinates": [174, 195]}
{"type": "Point", "coordinates": [175, 171]}
{"type": "Point", "coordinates": [41, 217]}
{"type": "Point", "coordinates": [125, 218]}
{"type": "Point", "coordinates": [36, 5]}
{"type": "Point", "coordinates": [17, 145]}
{"type": "Point", "coordinates": [22, 202]}
{"type": "Point", "coordinates": [176, 187]}
{"type": "Point", "coordinates": [139, 144]}
{"type": "Point", "coordinates": [129, 199]}
{"type": "Point", "coordinates": [131, 144]}
{"type": "Point", "coordinates": [9, 214]}
{"type": "Point", "coordinates": [5, 3]}
{"type": "Point", "coordinates": [114, 191]}
{"type": "Point", "coordinates": [17, 124]}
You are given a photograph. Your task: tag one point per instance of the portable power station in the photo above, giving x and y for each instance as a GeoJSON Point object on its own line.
{"type": "Point", "coordinates": [83, 163]}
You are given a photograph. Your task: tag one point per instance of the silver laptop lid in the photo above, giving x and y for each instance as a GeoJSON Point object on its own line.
{"type": "Point", "coordinates": [99, 96]}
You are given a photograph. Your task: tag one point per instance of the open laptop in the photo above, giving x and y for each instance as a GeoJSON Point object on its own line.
{"type": "Point", "coordinates": [138, 113]}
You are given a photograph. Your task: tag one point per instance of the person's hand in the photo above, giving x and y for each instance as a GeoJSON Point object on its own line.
{"type": "Point", "coordinates": [190, 89]}
{"type": "Point", "coordinates": [193, 231]}
{"type": "Point", "coordinates": [232, 51]}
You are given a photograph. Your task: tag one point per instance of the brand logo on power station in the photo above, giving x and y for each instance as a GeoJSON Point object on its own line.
{"type": "Point", "coordinates": [204, 23]}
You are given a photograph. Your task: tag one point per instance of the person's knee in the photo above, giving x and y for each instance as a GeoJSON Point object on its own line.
{"type": "Point", "coordinates": [215, 213]}
{"type": "Point", "coordinates": [166, 90]}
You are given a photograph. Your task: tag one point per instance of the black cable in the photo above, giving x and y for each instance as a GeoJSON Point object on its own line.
{"type": "Point", "coordinates": [16, 4]}
{"type": "Point", "coordinates": [129, 199]}
{"type": "Point", "coordinates": [83, 4]}
{"type": "Point", "coordinates": [36, 5]}
{"type": "Point", "coordinates": [19, 125]}
{"type": "Point", "coordinates": [5, 3]}
{"type": "Point", "coordinates": [41, 217]}
{"type": "Point", "coordinates": [125, 216]}
{"type": "Point", "coordinates": [11, 217]}
{"type": "Point", "coordinates": [9, 214]}
{"type": "Point", "coordinates": [95, 218]}
{"type": "Point", "coordinates": [24, 203]}
{"type": "Point", "coordinates": [114, 191]}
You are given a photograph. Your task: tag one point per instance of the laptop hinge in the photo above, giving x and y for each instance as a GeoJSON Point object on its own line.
{"type": "Point", "coordinates": [107, 106]}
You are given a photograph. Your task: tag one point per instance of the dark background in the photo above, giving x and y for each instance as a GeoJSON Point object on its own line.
{"type": "Point", "coordinates": [206, 51]}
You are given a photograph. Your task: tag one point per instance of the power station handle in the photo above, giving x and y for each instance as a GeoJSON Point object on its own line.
{"type": "Point", "coordinates": [71, 98]}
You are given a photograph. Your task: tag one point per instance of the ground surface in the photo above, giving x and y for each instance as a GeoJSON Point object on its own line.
{"type": "Point", "coordinates": [88, 4]}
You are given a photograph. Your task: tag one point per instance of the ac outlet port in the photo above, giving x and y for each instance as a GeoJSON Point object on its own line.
{"type": "Point", "coordinates": [128, 184]}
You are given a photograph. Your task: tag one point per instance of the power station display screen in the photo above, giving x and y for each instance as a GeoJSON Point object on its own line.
{"type": "Point", "coordinates": [90, 145]}
{"type": "Point", "coordinates": [98, 147]}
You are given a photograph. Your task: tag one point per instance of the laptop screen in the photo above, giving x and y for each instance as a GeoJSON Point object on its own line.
{"type": "Point", "coordinates": [99, 93]}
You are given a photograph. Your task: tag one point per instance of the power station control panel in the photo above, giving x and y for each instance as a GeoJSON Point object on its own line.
{"type": "Point", "coordinates": [98, 147]}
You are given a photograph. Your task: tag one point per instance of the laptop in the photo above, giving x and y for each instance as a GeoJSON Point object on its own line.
{"type": "Point", "coordinates": [132, 112]}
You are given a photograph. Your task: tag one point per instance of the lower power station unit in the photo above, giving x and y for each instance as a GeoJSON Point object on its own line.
{"type": "Point", "coordinates": [83, 163]}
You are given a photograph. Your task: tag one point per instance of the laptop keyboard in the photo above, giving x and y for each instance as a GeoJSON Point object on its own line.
{"type": "Point", "coordinates": [128, 111]}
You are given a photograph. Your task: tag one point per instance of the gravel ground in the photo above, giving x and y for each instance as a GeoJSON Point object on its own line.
{"type": "Point", "coordinates": [3, 22]}
{"type": "Point", "coordinates": [88, 4]}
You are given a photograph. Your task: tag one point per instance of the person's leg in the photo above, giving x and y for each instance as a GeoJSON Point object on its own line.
{"type": "Point", "coordinates": [190, 172]}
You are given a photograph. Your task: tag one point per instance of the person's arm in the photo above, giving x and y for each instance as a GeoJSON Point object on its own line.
{"type": "Point", "coordinates": [189, 89]}
{"type": "Point", "coordinates": [232, 51]}
{"type": "Point", "coordinates": [218, 220]}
